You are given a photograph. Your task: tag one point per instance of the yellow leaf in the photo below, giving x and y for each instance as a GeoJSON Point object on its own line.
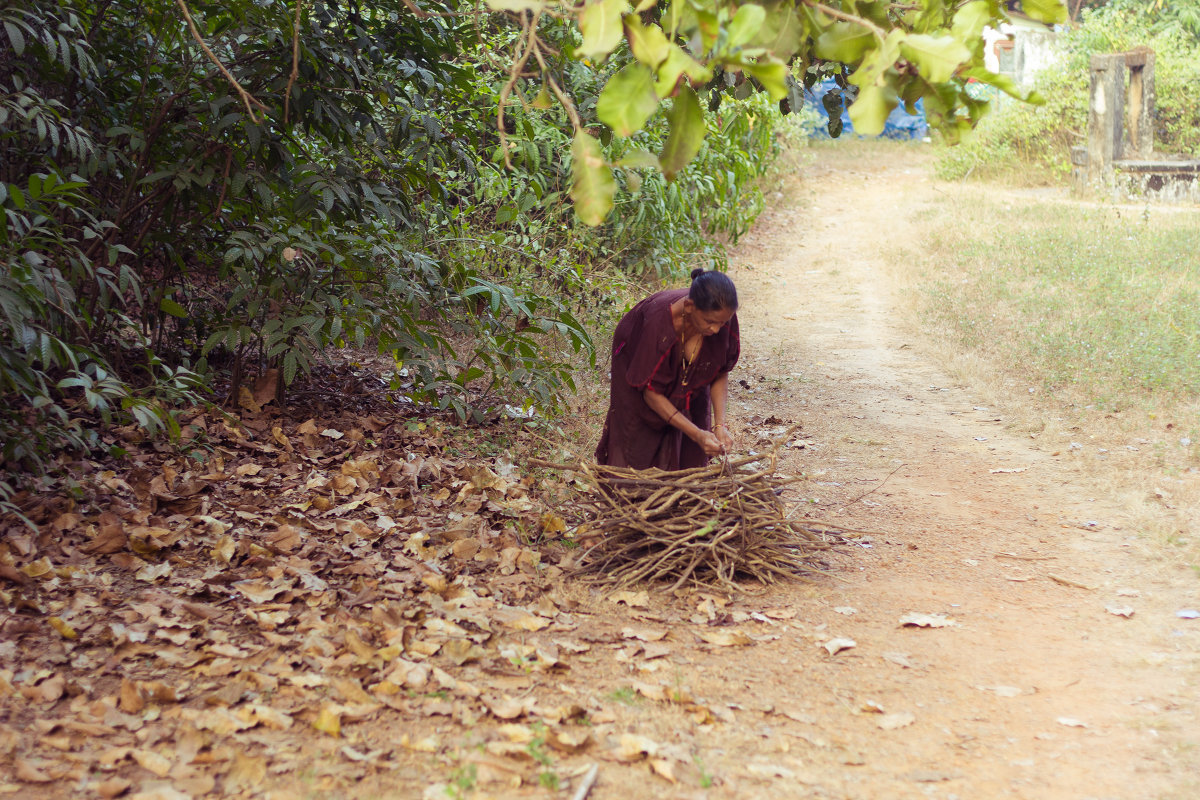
{"type": "Point", "coordinates": [63, 627]}
{"type": "Point", "coordinates": [39, 569]}
{"type": "Point", "coordinates": [552, 523]}
{"type": "Point", "coordinates": [329, 722]}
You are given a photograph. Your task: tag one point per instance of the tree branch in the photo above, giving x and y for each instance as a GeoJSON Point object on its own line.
{"type": "Point", "coordinates": [249, 100]}
{"type": "Point", "coordinates": [879, 32]}
{"type": "Point", "coordinates": [287, 93]}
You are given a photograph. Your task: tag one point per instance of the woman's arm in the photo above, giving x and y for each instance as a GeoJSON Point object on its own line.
{"type": "Point", "coordinates": [718, 393]}
{"type": "Point", "coordinates": [709, 443]}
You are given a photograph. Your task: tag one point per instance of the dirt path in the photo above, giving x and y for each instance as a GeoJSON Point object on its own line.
{"type": "Point", "coordinates": [1038, 691]}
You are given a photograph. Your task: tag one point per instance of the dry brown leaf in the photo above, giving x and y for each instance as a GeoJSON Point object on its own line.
{"type": "Point", "coordinates": [63, 628]}
{"type": "Point", "coordinates": [644, 634]}
{"type": "Point", "coordinates": [509, 707]}
{"type": "Point", "coordinates": [724, 637]}
{"type": "Point", "coordinates": [569, 740]}
{"type": "Point", "coordinates": [246, 773]}
{"type": "Point", "coordinates": [130, 699]}
{"type": "Point", "coordinates": [148, 759]}
{"type": "Point", "coordinates": [51, 689]}
{"type": "Point", "coordinates": [664, 768]}
{"type": "Point", "coordinates": [113, 787]}
{"type": "Point", "coordinates": [429, 744]}
{"type": "Point", "coordinates": [30, 772]}
{"type": "Point", "coordinates": [899, 719]}
{"type": "Point", "coordinates": [631, 747]}
{"type": "Point", "coordinates": [631, 599]}
{"type": "Point", "coordinates": [520, 619]}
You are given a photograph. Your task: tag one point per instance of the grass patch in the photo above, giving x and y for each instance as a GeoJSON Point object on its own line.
{"type": "Point", "coordinates": [1082, 322]}
{"type": "Point", "coordinates": [1086, 301]}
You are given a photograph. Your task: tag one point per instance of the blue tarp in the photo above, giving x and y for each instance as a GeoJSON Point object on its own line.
{"type": "Point", "coordinates": [900, 124]}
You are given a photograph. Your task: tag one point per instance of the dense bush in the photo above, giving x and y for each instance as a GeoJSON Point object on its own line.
{"type": "Point", "coordinates": [187, 208]}
{"type": "Point", "coordinates": [1017, 137]}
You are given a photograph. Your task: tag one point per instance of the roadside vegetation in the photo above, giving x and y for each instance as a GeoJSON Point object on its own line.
{"type": "Point", "coordinates": [1030, 144]}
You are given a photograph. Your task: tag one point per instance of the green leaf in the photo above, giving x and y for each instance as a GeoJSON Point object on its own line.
{"type": "Point", "coordinates": [745, 25]}
{"type": "Point", "coordinates": [783, 33]}
{"type": "Point", "coordinates": [686, 119]}
{"type": "Point", "coordinates": [870, 109]}
{"type": "Point", "coordinates": [628, 100]}
{"type": "Point", "coordinates": [878, 61]}
{"type": "Point", "coordinates": [169, 306]}
{"type": "Point", "coordinates": [635, 159]}
{"type": "Point", "coordinates": [1052, 12]}
{"type": "Point", "coordinates": [937, 57]}
{"type": "Point", "coordinates": [648, 42]}
{"type": "Point", "coordinates": [680, 63]}
{"type": "Point", "coordinates": [970, 20]}
{"type": "Point", "coordinates": [772, 74]}
{"type": "Point", "coordinates": [844, 42]}
{"type": "Point", "coordinates": [15, 37]}
{"type": "Point", "coordinates": [600, 23]}
{"type": "Point", "coordinates": [1004, 83]}
{"type": "Point", "coordinates": [592, 184]}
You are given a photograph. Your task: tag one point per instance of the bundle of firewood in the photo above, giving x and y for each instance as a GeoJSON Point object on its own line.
{"type": "Point", "coordinates": [710, 525]}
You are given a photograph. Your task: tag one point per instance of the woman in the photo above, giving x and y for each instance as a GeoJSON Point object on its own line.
{"type": "Point", "coordinates": [671, 358]}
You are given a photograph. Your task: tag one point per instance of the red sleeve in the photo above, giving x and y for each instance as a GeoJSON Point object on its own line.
{"type": "Point", "coordinates": [647, 336]}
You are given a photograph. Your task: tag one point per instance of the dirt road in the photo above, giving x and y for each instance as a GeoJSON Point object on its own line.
{"type": "Point", "coordinates": [1042, 688]}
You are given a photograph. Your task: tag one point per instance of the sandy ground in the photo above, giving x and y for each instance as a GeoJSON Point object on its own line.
{"type": "Point", "coordinates": [1031, 688]}
{"type": "Point", "coordinates": [1039, 690]}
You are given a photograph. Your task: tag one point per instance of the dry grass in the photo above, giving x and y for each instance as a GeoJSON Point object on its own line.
{"type": "Point", "coordinates": [1139, 445]}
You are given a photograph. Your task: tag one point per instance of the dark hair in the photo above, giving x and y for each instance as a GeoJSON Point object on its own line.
{"type": "Point", "coordinates": [712, 291]}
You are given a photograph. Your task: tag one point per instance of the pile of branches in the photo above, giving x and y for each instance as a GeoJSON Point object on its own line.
{"type": "Point", "coordinates": [709, 525]}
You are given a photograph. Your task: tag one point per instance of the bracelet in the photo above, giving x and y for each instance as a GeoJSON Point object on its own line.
{"type": "Point", "coordinates": [720, 425]}
{"type": "Point", "coordinates": [676, 411]}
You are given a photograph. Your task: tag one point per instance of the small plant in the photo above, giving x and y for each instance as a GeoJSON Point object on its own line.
{"type": "Point", "coordinates": [462, 780]}
{"type": "Point", "coordinates": [624, 694]}
{"type": "Point", "coordinates": [547, 777]}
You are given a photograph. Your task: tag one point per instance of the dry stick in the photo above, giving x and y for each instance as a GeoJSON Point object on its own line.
{"type": "Point", "coordinates": [287, 93]}
{"type": "Point", "coordinates": [247, 98]}
{"type": "Point", "coordinates": [514, 74]}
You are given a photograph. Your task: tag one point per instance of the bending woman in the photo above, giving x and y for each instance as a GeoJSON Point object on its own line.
{"type": "Point", "coordinates": [671, 358]}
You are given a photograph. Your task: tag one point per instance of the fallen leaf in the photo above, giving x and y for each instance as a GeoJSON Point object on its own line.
{"type": "Point", "coordinates": [631, 747]}
{"type": "Point", "coordinates": [847, 610]}
{"type": "Point", "coordinates": [1001, 691]}
{"type": "Point", "coordinates": [113, 787]}
{"type": "Point", "coordinates": [63, 627]}
{"type": "Point", "coordinates": [1071, 722]}
{"type": "Point", "coordinates": [724, 638]}
{"type": "Point", "coordinates": [632, 599]}
{"type": "Point", "coordinates": [148, 759]}
{"type": "Point", "coordinates": [899, 719]}
{"type": "Point", "coordinates": [914, 619]}
{"type": "Point", "coordinates": [900, 659]}
{"type": "Point", "coordinates": [1120, 611]}
{"type": "Point", "coordinates": [645, 634]}
{"type": "Point", "coordinates": [664, 768]}
{"type": "Point", "coordinates": [29, 772]}
{"type": "Point", "coordinates": [328, 721]}
{"type": "Point", "coordinates": [835, 646]}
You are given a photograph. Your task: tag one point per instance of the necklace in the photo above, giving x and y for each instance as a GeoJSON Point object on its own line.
{"type": "Point", "coordinates": [686, 365]}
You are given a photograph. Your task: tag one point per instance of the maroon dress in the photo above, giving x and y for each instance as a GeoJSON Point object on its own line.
{"type": "Point", "coordinates": [647, 354]}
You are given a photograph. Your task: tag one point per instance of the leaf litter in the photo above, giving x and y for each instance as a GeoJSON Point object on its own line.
{"type": "Point", "coordinates": [196, 624]}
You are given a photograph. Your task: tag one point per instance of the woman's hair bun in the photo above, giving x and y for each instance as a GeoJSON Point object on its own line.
{"type": "Point", "coordinates": [697, 272]}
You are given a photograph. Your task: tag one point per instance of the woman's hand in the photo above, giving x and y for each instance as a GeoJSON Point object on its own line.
{"type": "Point", "coordinates": [710, 444]}
{"type": "Point", "coordinates": [723, 435]}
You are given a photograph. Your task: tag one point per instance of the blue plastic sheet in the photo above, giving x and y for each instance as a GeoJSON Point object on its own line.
{"type": "Point", "coordinates": [899, 125]}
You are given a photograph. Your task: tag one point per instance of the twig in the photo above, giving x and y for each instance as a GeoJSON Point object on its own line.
{"type": "Point", "coordinates": [585, 786]}
{"type": "Point", "coordinates": [1069, 582]}
{"type": "Point", "coordinates": [287, 93]}
{"type": "Point", "coordinates": [842, 15]}
{"type": "Point", "coordinates": [248, 99]}
{"type": "Point", "coordinates": [876, 488]}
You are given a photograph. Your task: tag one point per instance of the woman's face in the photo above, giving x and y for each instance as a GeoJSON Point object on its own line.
{"type": "Point", "coordinates": [706, 322]}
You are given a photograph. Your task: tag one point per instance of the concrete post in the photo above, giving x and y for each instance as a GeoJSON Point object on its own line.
{"type": "Point", "coordinates": [1107, 116]}
{"type": "Point", "coordinates": [1139, 115]}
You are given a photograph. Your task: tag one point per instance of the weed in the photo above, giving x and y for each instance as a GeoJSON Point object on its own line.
{"type": "Point", "coordinates": [548, 777]}
{"type": "Point", "coordinates": [706, 778]}
{"type": "Point", "coordinates": [624, 694]}
{"type": "Point", "coordinates": [462, 780]}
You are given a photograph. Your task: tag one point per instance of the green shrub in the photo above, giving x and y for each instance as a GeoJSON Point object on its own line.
{"type": "Point", "coordinates": [1035, 140]}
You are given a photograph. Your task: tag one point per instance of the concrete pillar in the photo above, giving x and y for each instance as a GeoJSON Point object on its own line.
{"type": "Point", "coordinates": [1139, 104]}
{"type": "Point", "coordinates": [1107, 115]}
